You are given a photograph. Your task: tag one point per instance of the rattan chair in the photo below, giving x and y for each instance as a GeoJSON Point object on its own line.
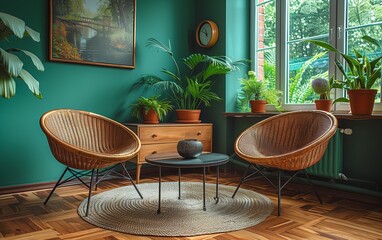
{"type": "Point", "coordinates": [88, 145]}
{"type": "Point", "coordinates": [288, 142]}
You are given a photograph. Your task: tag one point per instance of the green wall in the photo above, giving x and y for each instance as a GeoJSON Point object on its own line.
{"type": "Point", "coordinates": [231, 17]}
{"type": "Point", "coordinates": [25, 157]}
{"type": "Point", "coordinates": [24, 154]}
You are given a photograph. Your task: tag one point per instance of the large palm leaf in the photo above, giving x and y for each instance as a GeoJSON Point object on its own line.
{"type": "Point", "coordinates": [188, 91]}
{"type": "Point", "coordinates": [11, 66]}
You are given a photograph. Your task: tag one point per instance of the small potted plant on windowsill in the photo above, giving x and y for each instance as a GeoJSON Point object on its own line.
{"type": "Point", "coordinates": [256, 93]}
{"type": "Point", "coordinates": [151, 110]}
{"type": "Point", "coordinates": [192, 88]}
{"type": "Point", "coordinates": [322, 87]}
{"type": "Point", "coordinates": [359, 78]}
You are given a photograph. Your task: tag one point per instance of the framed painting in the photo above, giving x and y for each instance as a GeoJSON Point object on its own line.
{"type": "Point", "coordinates": [96, 32]}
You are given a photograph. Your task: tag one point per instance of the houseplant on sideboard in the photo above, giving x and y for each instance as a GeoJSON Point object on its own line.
{"type": "Point", "coordinates": [191, 90]}
{"type": "Point", "coordinates": [359, 78]}
{"type": "Point", "coordinates": [11, 65]}
{"type": "Point", "coordinates": [257, 93]}
{"type": "Point", "coordinates": [151, 110]}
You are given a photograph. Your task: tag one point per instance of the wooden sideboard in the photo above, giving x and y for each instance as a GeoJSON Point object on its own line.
{"type": "Point", "coordinates": [163, 138]}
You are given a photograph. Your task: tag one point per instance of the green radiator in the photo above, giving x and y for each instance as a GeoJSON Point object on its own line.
{"type": "Point", "coordinates": [331, 164]}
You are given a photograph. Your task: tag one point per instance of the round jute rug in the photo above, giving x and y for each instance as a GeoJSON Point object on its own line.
{"type": "Point", "coordinates": [122, 210]}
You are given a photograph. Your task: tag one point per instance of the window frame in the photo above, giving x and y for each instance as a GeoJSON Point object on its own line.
{"type": "Point", "coordinates": [337, 37]}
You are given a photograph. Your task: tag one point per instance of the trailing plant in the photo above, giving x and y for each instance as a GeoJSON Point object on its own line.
{"type": "Point", "coordinates": [195, 87]}
{"type": "Point", "coordinates": [11, 66]}
{"type": "Point", "coordinates": [143, 104]}
{"type": "Point", "coordinates": [255, 89]}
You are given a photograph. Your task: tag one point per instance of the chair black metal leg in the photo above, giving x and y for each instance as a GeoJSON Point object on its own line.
{"type": "Point", "coordinates": [204, 189]}
{"type": "Point", "coordinates": [314, 188]}
{"type": "Point", "coordinates": [217, 185]}
{"type": "Point", "coordinates": [55, 186]}
{"type": "Point", "coordinates": [179, 183]}
{"type": "Point", "coordinates": [131, 180]}
{"type": "Point", "coordinates": [278, 192]}
{"type": "Point", "coordinates": [242, 179]}
{"type": "Point", "coordinates": [96, 185]}
{"type": "Point", "coordinates": [90, 193]}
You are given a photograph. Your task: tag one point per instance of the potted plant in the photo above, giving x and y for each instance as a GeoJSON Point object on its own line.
{"type": "Point", "coordinates": [151, 110]}
{"type": "Point", "coordinates": [359, 77]}
{"type": "Point", "coordinates": [322, 87]}
{"type": "Point", "coordinates": [11, 66]}
{"type": "Point", "coordinates": [257, 93]}
{"type": "Point", "coordinates": [188, 91]}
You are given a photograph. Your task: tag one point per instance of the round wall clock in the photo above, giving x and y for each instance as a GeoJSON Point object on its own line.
{"type": "Point", "coordinates": [207, 34]}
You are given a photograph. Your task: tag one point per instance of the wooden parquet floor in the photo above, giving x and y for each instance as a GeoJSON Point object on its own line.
{"type": "Point", "coordinates": [342, 216]}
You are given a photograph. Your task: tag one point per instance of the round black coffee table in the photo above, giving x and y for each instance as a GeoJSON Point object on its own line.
{"type": "Point", "coordinates": [175, 161]}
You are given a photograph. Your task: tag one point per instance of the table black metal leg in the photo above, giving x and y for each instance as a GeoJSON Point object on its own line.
{"type": "Point", "coordinates": [160, 181]}
{"type": "Point", "coordinates": [217, 185]}
{"type": "Point", "coordinates": [179, 173]}
{"type": "Point", "coordinates": [204, 189]}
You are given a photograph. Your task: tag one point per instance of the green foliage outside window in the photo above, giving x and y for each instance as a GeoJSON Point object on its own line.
{"type": "Point", "coordinates": [310, 19]}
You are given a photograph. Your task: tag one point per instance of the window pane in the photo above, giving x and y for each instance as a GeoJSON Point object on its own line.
{"type": "Point", "coordinates": [266, 67]}
{"type": "Point", "coordinates": [307, 19]}
{"type": "Point", "coordinates": [266, 41]}
{"type": "Point", "coordinates": [305, 65]}
{"type": "Point", "coordinates": [364, 17]}
{"type": "Point", "coordinates": [267, 23]}
{"type": "Point", "coordinates": [361, 12]}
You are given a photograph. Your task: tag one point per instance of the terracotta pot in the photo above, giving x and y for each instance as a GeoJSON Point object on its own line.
{"type": "Point", "coordinates": [323, 104]}
{"type": "Point", "coordinates": [258, 106]}
{"type": "Point", "coordinates": [362, 101]}
{"type": "Point", "coordinates": [150, 117]}
{"type": "Point", "coordinates": [187, 116]}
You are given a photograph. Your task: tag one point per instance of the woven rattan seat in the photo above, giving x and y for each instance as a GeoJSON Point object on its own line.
{"type": "Point", "coordinates": [290, 141]}
{"type": "Point", "coordinates": [88, 141]}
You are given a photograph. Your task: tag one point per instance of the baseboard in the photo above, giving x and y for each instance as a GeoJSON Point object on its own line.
{"type": "Point", "coordinates": [146, 172]}
{"type": "Point", "coordinates": [26, 188]}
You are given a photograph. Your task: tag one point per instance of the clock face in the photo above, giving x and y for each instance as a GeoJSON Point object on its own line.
{"type": "Point", "coordinates": [205, 34]}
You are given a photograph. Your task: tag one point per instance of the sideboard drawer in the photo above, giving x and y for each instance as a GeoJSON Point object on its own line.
{"type": "Point", "coordinates": [163, 138]}
{"type": "Point", "coordinates": [174, 134]}
{"type": "Point", "coordinates": [165, 148]}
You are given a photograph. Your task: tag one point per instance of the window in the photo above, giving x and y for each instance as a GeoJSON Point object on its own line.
{"type": "Point", "coordinates": [282, 56]}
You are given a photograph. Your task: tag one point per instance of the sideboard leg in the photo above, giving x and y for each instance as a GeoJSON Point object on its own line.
{"type": "Point", "coordinates": [138, 177]}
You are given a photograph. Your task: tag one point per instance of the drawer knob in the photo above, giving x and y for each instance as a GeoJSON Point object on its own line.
{"type": "Point", "coordinates": [154, 152]}
{"type": "Point", "coordinates": [154, 135]}
{"type": "Point", "coordinates": [199, 133]}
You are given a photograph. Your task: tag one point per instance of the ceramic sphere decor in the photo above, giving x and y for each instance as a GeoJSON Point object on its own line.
{"type": "Point", "coordinates": [189, 148]}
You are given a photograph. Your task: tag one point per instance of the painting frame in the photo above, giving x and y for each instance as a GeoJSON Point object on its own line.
{"type": "Point", "coordinates": [96, 34]}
